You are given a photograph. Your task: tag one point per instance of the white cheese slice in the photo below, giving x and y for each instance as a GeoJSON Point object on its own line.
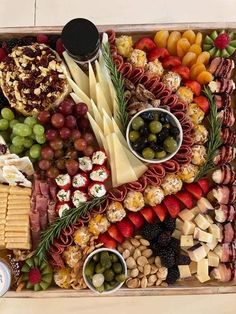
{"type": "Point", "coordinates": [193, 267]}
{"type": "Point", "coordinates": [92, 83]}
{"type": "Point", "coordinates": [206, 248]}
{"type": "Point", "coordinates": [101, 100]}
{"type": "Point", "coordinates": [80, 78]}
{"type": "Point", "coordinates": [108, 120]}
{"type": "Point", "coordinates": [213, 259]}
{"type": "Point", "coordinates": [139, 167]}
{"type": "Point", "coordinates": [184, 271]}
{"type": "Point", "coordinates": [103, 80]}
{"type": "Point", "coordinates": [23, 164]}
{"type": "Point", "coordinates": [117, 130]}
{"type": "Point", "coordinates": [111, 154]}
{"type": "Point", "coordinates": [186, 241]}
{"type": "Point", "coordinates": [96, 130]}
{"type": "Point", "coordinates": [202, 235]}
{"type": "Point", "coordinates": [201, 222]}
{"type": "Point", "coordinates": [97, 115]}
{"type": "Point", "coordinates": [203, 270]}
{"type": "Point", "coordinates": [106, 126]}
{"type": "Point", "coordinates": [197, 252]}
{"type": "Point", "coordinates": [208, 217]}
{"type": "Point", "coordinates": [195, 211]}
{"type": "Point", "coordinates": [188, 227]}
{"type": "Point", "coordinates": [204, 205]}
{"type": "Point", "coordinates": [14, 177]}
{"type": "Point", "coordinates": [186, 214]}
{"type": "Point", "coordinates": [218, 251]}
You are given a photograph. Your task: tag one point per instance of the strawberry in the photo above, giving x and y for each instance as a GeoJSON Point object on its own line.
{"type": "Point", "coordinates": [42, 39]}
{"type": "Point", "coordinates": [161, 211]}
{"type": "Point", "coordinates": [194, 189]}
{"type": "Point", "coordinates": [145, 44]}
{"type": "Point", "coordinates": [182, 70]}
{"type": "Point", "coordinates": [59, 47]}
{"type": "Point", "coordinates": [115, 233]}
{"type": "Point", "coordinates": [204, 185]}
{"type": "Point", "coordinates": [222, 41]}
{"type": "Point", "coordinates": [107, 241]}
{"type": "Point", "coordinates": [202, 102]}
{"type": "Point", "coordinates": [157, 53]}
{"type": "Point", "coordinates": [136, 219]}
{"type": "Point", "coordinates": [185, 198]}
{"type": "Point", "coordinates": [125, 227]}
{"type": "Point", "coordinates": [172, 204]}
{"type": "Point", "coordinates": [148, 214]}
{"type": "Point", "coordinates": [194, 86]}
{"type": "Point", "coordinates": [171, 61]}
{"type": "Point", "coordinates": [3, 54]}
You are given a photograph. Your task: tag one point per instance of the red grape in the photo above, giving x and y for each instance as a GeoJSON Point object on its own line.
{"type": "Point", "coordinates": [44, 164]}
{"type": "Point", "coordinates": [53, 172]}
{"type": "Point", "coordinates": [72, 154]}
{"type": "Point", "coordinates": [70, 122]}
{"type": "Point", "coordinates": [81, 109]}
{"type": "Point", "coordinates": [66, 107]}
{"type": "Point", "coordinates": [57, 120]}
{"type": "Point", "coordinates": [88, 151]}
{"type": "Point", "coordinates": [47, 153]}
{"type": "Point", "coordinates": [51, 134]}
{"type": "Point", "coordinates": [59, 153]}
{"type": "Point", "coordinates": [56, 144]}
{"type": "Point", "coordinates": [44, 117]}
{"type": "Point", "coordinates": [72, 167]}
{"type": "Point", "coordinates": [42, 39]}
{"type": "Point", "coordinates": [89, 138]}
{"type": "Point", "coordinates": [83, 123]}
{"type": "Point", "coordinates": [65, 133]}
{"type": "Point", "coordinates": [80, 144]}
{"type": "Point", "coordinates": [75, 135]}
{"type": "Point", "coordinates": [61, 164]}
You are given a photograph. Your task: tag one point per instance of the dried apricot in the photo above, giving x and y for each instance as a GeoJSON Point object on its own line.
{"type": "Point", "coordinates": [183, 46]}
{"type": "Point", "coordinates": [198, 39]}
{"type": "Point", "coordinates": [172, 42]}
{"type": "Point", "coordinates": [190, 35]}
{"type": "Point", "coordinates": [204, 57]}
{"type": "Point", "coordinates": [196, 69]}
{"type": "Point", "coordinates": [204, 77]}
{"type": "Point", "coordinates": [189, 59]}
{"type": "Point", "coordinates": [161, 38]}
{"type": "Point", "coordinates": [196, 49]}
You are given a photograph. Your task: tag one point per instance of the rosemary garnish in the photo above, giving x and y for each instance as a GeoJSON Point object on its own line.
{"type": "Point", "coordinates": [214, 141]}
{"type": "Point", "coordinates": [68, 218]}
{"type": "Point", "coordinates": [118, 84]}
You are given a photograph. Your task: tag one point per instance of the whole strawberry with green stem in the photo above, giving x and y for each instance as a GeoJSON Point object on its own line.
{"type": "Point", "coordinates": [220, 44]}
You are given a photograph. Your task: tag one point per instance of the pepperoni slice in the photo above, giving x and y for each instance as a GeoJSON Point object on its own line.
{"type": "Point", "coordinates": [136, 75]}
{"type": "Point", "coordinates": [171, 166]}
{"type": "Point", "coordinates": [118, 194]}
{"type": "Point", "coordinates": [118, 60]}
{"type": "Point", "coordinates": [158, 170]}
{"type": "Point", "coordinates": [111, 36]}
{"type": "Point", "coordinates": [126, 69]}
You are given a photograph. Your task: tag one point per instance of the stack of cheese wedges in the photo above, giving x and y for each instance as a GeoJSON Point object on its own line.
{"type": "Point", "coordinates": [98, 93]}
{"type": "Point", "coordinates": [15, 228]}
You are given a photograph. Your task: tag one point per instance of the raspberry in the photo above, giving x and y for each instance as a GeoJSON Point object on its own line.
{"type": "Point", "coordinates": [42, 39]}
{"type": "Point", "coordinates": [3, 54]}
{"type": "Point", "coordinates": [222, 41]}
{"type": "Point", "coordinates": [34, 276]}
{"type": "Point", "coordinates": [59, 47]}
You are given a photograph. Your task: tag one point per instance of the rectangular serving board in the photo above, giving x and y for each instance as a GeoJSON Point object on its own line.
{"type": "Point", "coordinates": [183, 288]}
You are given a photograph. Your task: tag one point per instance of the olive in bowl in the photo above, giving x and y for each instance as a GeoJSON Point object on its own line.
{"type": "Point", "coordinates": [104, 270]}
{"type": "Point", "coordinates": [154, 135]}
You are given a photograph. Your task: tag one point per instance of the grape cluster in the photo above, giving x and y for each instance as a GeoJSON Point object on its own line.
{"type": "Point", "coordinates": [24, 136]}
{"type": "Point", "coordinates": [68, 136]}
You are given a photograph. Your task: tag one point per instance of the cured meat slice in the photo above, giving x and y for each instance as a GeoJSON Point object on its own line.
{"type": "Point", "coordinates": [184, 155]}
{"type": "Point", "coordinates": [126, 69]}
{"type": "Point", "coordinates": [228, 136]}
{"type": "Point", "coordinates": [111, 36]}
{"type": "Point", "coordinates": [225, 272]}
{"type": "Point", "coordinates": [171, 166]}
{"type": "Point", "coordinates": [136, 75]}
{"type": "Point", "coordinates": [113, 49]}
{"type": "Point", "coordinates": [118, 194]}
{"type": "Point", "coordinates": [188, 140]}
{"type": "Point", "coordinates": [229, 232]}
{"type": "Point", "coordinates": [152, 83]}
{"type": "Point", "coordinates": [136, 186]}
{"type": "Point", "coordinates": [225, 155]}
{"type": "Point", "coordinates": [225, 213]}
{"type": "Point", "coordinates": [44, 188]}
{"type": "Point", "coordinates": [51, 211]}
{"type": "Point", "coordinates": [158, 170]}
{"type": "Point", "coordinates": [222, 101]}
{"type": "Point", "coordinates": [118, 60]}
{"type": "Point", "coordinates": [227, 117]}
{"type": "Point", "coordinates": [226, 174]}
{"type": "Point", "coordinates": [53, 190]}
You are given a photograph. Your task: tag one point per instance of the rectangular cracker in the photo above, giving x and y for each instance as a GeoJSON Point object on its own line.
{"type": "Point", "coordinates": [13, 228]}
{"type": "Point", "coordinates": [18, 245]}
{"type": "Point", "coordinates": [18, 217]}
{"type": "Point", "coordinates": [15, 206]}
{"type": "Point", "coordinates": [4, 188]}
{"type": "Point", "coordinates": [15, 190]}
{"type": "Point", "coordinates": [18, 211]}
{"type": "Point", "coordinates": [17, 223]}
{"type": "Point", "coordinates": [11, 234]}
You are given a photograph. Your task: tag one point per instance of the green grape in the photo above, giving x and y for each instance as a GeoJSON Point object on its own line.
{"type": "Point", "coordinates": [40, 138]}
{"type": "Point", "coordinates": [27, 154]}
{"type": "Point", "coordinates": [35, 151]}
{"type": "Point", "coordinates": [4, 124]}
{"type": "Point", "coordinates": [18, 141]}
{"type": "Point", "coordinates": [33, 136]}
{"type": "Point", "coordinates": [7, 114]}
{"type": "Point", "coordinates": [31, 121]}
{"type": "Point", "coordinates": [6, 136]}
{"type": "Point", "coordinates": [38, 129]}
{"type": "Point", "coordinates": [13, 122]}
{"type": "Point", "coordinates": [16, 149]}
{"type": "Point", "coordinates": [22, 129]}
{"type": "Point", "coordinates": [12, 136]}
{"type": "Point", "coordinates": [28, 142]}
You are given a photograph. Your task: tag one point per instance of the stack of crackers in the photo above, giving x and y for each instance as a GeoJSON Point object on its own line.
{"type": "Point", "coordinates": [14, 217]}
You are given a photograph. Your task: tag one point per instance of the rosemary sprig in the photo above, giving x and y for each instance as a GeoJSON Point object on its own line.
{"type": "Point", "coordinates": [214, 141]}
{"type": "Point", "coordinates": [118, 84]}
{"type": "Point", "coordinates": [68, 218]}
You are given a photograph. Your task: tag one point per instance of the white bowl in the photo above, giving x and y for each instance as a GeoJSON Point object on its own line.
{"type": "Point", "coordinates": [88, 281]}
{"type": "Point", "coordinates": [174, 121]}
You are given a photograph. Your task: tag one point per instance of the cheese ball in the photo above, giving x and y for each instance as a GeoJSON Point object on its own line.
{"type": "Point", "coordinates": [72, 255]}
{"type": "Point", "coordinates": [138, 58]}
{"type": "Point", "coordinates": [62, 278]}
{"type": "Point", "coordinates": [199, 155]}
{"type": "Point", "coordinates": [124, 45]}
{"type": "Point", "coordinates": [98, 224]}
{"type": "Point", "coordinates": [153, 195]}
{"type": "Point", "coordinates": [200, 134]}
{"type": "Point", "coordinates": [188, 173]}
{"type": "Point", "coordinates": [82, 236]}
{"type": "Point", "coordinates": [195, 114]}
{"type": "Point", "coordinates": [155, 67]}
{"type": "Point", "coordinates": [171, 184]}
{"type": "Point", "coordinates": [185, 94]}
{"type": "Point", "coordinates": [172, 80]}
{"type": "Point", "coordinates": [115, 212]}
{"type": "Point", "coordinates": [134, 201]}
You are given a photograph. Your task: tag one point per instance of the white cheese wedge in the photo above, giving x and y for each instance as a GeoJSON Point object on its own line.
{"type": "Point", "coordinates": [186, 241]}
{"type": "Point", "coordinates": [111, 153]}
{"type": "Point", "coordinates": [97, 115]}
{"type": "Point", "coordinates": [193, 267]}
{"type": "Point", "coordinates": [186, 214]}
{"type": "Point", "coordinates": [204, 205]}
{"type": "Point", "coordinates": [108, 120]}
{"type": "Point", "coordinates": [188, 227]}
{"type": "Point", "coordinates": [23, 164]}
{"type": "Point", "coordinates": [202, 222]}
{"type": "Point", "coordinates": [216, 231]}
{"type": "Point", "coordinates": [203, 270]}
{"type": "Point", "coordinates": [106, 129]}
{"type": "Point", "coordinates": [101, 100]}
{"type": "Point", "coordinates": [103, 80]}
{"type": "Point", "coordinates": [117, 130]}
{"type": "Point", "coordinates": [179, 224]}
{"type": "Point", "coordinates": [197, 252]}
{"type": "Point", "coordinates": [138, 166]}
{"type": "Point", "coordinates": [78, 91]}
{"type": "Point", "coordinates": [92, 83]}
{"type": "Point", "coordinates": [176, 234]}
{"type": "Point", "coordinates": [213, 243]}
{"type": "Point", "coordinates": [14, 177]}
{"type": "Point", "coordinates": [184, 271]}
{"type": "Point", "coordinates": [96, 129]}
{"type": "Point", "coordinates": [213, 259]}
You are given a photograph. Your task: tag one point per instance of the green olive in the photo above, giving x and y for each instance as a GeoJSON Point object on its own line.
{"type": "Point", "coordinates": [120, 278]}
{"type": "Point", "coordinates": [148, 153]}
{"type": "Point", "coordinates": [156, 116]}
{"type": "Point", "coordinates": [109, 275]}
{"type": "Point", "coordinates": [99, 269]}
{"type": "Point", "coordinates": [155, 127]}
{"type": "Point", "coordinates": [114, 258]}
{"type": "Point", "coordinates": [117, 267]}
{"type": "Point", "coordinates": [170, 144]}
{"type": "Point", "coordinates": [167, 125]}
{"type": "Point", "coordinates": [160, 155]}
{"type": "Point", "coordinates": [152, 138]}
{"type": "Point", "coordinates": [133, 136]}
{"type": "Point", "coordinates": [89, 269]}
{"type": "Point", "coordinates": [137, 123]}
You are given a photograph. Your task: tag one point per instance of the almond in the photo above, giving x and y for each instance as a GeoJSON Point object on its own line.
{"type": "Point", "coordinates": [135, 242]}
{"type": "Point", "coordinates": [144, 282]}
{"type": "Point", "coordinates": [142, 261]}
{"type": "Point", "coordinates": [130, 262]}
{"type": "Point", "coordinates": [147, 253]}
{"type": "Point", "coordinates": [144, 242]}
{"type": "Point", "coordinates": [136, 254]}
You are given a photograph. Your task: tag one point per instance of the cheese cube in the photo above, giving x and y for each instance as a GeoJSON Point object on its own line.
{"type": "Point", "coordinates": [206, 248]}
{"type": "Point", "coordinates": [176, 234]}
{"type": "Point", "coordinates": [195, 211]}
{"type": "Point", "coordinates": [205, 236]}
{"type": "Point", "coordinates": [193, 267]}
{"type": "Point", "coordinates": [208, 217]}
{"type": "Point", "coordinates": [186, 214]}
{"type": "Point", "coordinates": [204, 205]}
{"type": "Point", "coordinates": [202, 222]}
{"type": "Point", "coordinates": [203, 270]}
{"type": "Point", "coordinates": [212, 244]}
{"type": "Point", "coordinates": [213, 259]}
{"type": "Point", "coordinates": [186, 240]}
{"type": "Point", "coordinates": [218, 250]}
{"type": "Point", "coordinates": [179, 224]}
{"type": "Point", "coordinates": [188, 227]}
{"type": "Point", "coordinates": [197, 252]}
{"type": "Point", "coordinates": [216, 231]}
{"type": "Point", "coordinates": [184, 271]}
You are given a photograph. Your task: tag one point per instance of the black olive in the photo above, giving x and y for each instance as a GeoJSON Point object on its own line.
{"type": "Point", "coordinates": [161, 136]}
{"type": "Point", "coordinates": [140, 144]}
{"type": "Point", "coordinates": [174, 131]}
{"type": "Point", "coordinates": [144, 131]}
{"type": "Point", "coordinates": [156, 147]}
{"type": "Point", "coordinates": [164, 118]}
{"type": "Point", "coordinates": [147, 116]}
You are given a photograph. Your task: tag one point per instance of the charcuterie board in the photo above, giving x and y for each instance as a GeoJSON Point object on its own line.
{"type": "Point", "coordinates": [128, 154]}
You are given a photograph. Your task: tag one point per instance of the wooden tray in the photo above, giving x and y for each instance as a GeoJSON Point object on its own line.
{"type": "Point", "coordinates": [185, 288]}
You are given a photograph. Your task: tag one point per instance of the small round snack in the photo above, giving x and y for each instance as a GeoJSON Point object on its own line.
{"type": "Point", "coordinates": [134, 201]}
{"type": "Point", "coordinates": [172, 80]}
{"type": "Point", "coordinates": [62, 277]}
{"type": "Point", "coordinates": [171, 184]}
{"type": "Point", "coordinates": [185, 94]}
{"type": "Point", "coordinates": [200, 134]}
{"type": "Point", "coordinates": [82, 236]}
{"type": "Point", "coordinates": [195, 114]}
{"type": "Point", "coordinates": [188, 173]}
{"type": "Point", "coordinates": [33, 79]}
{"type": "Point", "coordinates": [153, 195]}
{"type": "Point", "coordinates": [124, 45]}
{"type": "Point", "coordinates": [115, 212]}
{"type": "Point", "coordinates": [98, 224]}
{"type": "Point", "coordinates": [199, 155]}
{"type": "Point", "coordinates": [155, 67]}
{"type": "Point", "coordinates": [72, 255]}
{"type": "Point", "coordinates": [138, 58]}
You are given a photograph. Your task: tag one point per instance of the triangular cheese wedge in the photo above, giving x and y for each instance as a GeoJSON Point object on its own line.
{"type": "Point", "coordinates": [110, 154]}
{"type": "Point", "coordinates": [97, 115]}
{"type": "Point", "coordinates": [101, 100]}
{"type": "Point", "coordinates": [117, 130]}
{"type": "Point", "coordinates": [102, 78]}
{"type": "Point", "coordinates": [138, 166]}
{"type": "Point", "coordinates": [96, 129]}
{"type": "Point", "coordinates": [92, 83]}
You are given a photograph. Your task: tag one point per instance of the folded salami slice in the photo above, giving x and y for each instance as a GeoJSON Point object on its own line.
{"type": "Point", "coordinates": [153, 180]}
{"type": "Point", "coordinates": [86, 217]}
{"type": "Point", "coordinates": [118, 194]}
{"type": "Point", "coordinates": [152, 83]}
{"type": "Point", "coordinates": [222, 101]}
{"type": "Point", "coordinates": [137, 186]}
{"type": "Point", "coordinates": [179, 106]}
{"type": "Point", "coordinates": [171, 166]}
{"type": "Point", "coordinates": [181, 116]}
{"type": "Point", "coordinates": [118, 60]}
{"type": "Point", "coordinates": [136, 75]}
{"type": "Point", "coordinates": [184, 155]}
{"type": "Point", "coordinates": [111, 36]}
{"type": "Point", "coordinates": [229, 232]}
{"type": "Point", "coordinates": [56, 260]}
{"type": "Point", "coordinates": [163, 94]}
{"type": "Point", "coordinates": [144, 79]}
{"type": "Point", "coordinates": [188, 140]}
{"type": "Point", "coordinates": [113, 49]}
{"type": "Point", "coordinates": [126, 69]}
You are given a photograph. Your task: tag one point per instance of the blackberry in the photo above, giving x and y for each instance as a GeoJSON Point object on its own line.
{"type": "Point", "coordinates": [28, 40]}
{"type": "Point", "coordinates": [169, 224]}
{"type": "Point", "coordinates": [3, 99]}
{"type": "Point", "coordinates": [155, 247]}
{"type": "Point", "coordinates": [164, 239]}
{"type": "Point", "coordinates": [173, 275]}
{"type": "Point", "coordinates": [174, 131]}
{"type": "Point", "coordinates": [155, 147]}
{"type": "Point", "coordinates": [12, 43]}
{"type": "Point", "coordinates": [183, 260]}
{"type": "Point", "coordinates": [52, 41]}
{"type": "Point", "coordinates": [175, 244]}
{"type": "Point", "coordinates": [151, 231]}
{"type": "Point", "coordinates": [167, 256]}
